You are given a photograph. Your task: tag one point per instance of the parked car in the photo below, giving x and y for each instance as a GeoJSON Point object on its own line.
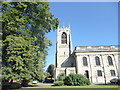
{"type": "Point", "coordinates": [34, 82]}
{"type": "Point", "coordinates": [48, 80]}
{"type": "Point", "coordinates": [115, 81]}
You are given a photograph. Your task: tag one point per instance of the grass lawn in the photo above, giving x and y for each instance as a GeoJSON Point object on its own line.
{"type": "Point", "coordinates": [90, 86]}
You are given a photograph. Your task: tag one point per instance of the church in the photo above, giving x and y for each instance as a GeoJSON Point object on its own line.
{"type": "Point", "coordinates": [98, 63]}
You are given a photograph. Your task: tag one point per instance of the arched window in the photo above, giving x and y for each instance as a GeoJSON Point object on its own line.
{"type": "Point", "coordinates": [99, 72]}
{"type": "Point", "coordinates": [112, 72]}
{"type": "Point", "coordinates": [85, 61]}
{"type": "Point", "coordinates": [64, 38]}
{"type": "Point", "coordinates": [97, 60]}
{"type": "Point", "coordinates": [110, 60]}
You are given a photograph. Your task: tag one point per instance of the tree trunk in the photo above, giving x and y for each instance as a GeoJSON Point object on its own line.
{"type": "Point", "coordinates": [11, 81]}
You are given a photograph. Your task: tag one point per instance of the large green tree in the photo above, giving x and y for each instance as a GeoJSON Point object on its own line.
{"type": "Point", "coordinates": [18, 63]}
{"type": "Point", "coordinates": [25, 44]}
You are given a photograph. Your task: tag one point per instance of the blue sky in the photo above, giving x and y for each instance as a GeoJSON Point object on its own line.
{"type": "Point", "coordinates": [92, 24]}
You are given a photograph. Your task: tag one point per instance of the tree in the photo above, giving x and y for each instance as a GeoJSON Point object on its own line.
{"type": "Point", "coordinates": [50, 70]}
{"type": "Point", "coordinates": [18, 61]}
{"type": "Point", "coordinates": [46, 74]}
{"type": "Point", "coordinates": [25, 44]}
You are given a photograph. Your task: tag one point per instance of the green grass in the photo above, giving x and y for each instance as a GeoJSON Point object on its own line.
{"type": "Point", "coordinates": [90, 86]}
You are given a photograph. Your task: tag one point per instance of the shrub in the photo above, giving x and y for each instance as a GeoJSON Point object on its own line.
{"type": "Point", "coordinates": [61, 77]}
{"type": "Point", "coordinates": [8, 85]}
{"type": "Point", "coordinates": [58, 83]}
{"type": "Point", "coordinates": [115, 81]}
{"type": "Point", "coordinates": [76, 80]}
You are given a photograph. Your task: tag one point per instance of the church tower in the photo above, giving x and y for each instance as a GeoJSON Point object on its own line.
{"type": "Point", "coordinates": [63, 46]}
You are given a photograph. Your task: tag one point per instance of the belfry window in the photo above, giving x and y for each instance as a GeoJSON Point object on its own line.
{"type": "Point", "coordinates": [64, 38]}
{"type": "Point", "coordinates": [110, 60]}
{"type": "Point", "coordinates": [85, 63]}
{"type": "Point", "coordinates": [97, 60]}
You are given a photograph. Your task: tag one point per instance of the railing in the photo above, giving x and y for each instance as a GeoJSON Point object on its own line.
{"type": "Point", "coordinates": [98, 48]}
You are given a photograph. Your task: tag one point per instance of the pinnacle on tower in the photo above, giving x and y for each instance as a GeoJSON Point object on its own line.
{"type": "Point", "coordinates": [63, 25]}
{"type": "Point", "coordinates": [58, 27]}
{"type": "Point", "coordinates": [69, 26]}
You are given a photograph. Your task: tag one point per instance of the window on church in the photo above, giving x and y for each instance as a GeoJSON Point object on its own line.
{"type": "Point", "coordinates": [97, 60]}
{"type": "Point", "coordinates": [85, 63]}
{"type": "Point", "coordinates": [64, 38]}
{"type": "Point", "coordinates": [112, 72]}
{"type": "Point", "coordinates": [110, 60]}
{"type": "Point", "coordinates": [99, 72]}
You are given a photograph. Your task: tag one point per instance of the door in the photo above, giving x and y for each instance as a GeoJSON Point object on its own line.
{"type": "Point", "coordinates": [87, 73]}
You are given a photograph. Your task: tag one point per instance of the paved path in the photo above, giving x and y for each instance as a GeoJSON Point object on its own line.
{"type": "Point", "coordinates": [45, 84]}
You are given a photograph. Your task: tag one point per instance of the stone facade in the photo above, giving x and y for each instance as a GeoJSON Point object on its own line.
{"type": "Point", "coordinates": [98, 63]}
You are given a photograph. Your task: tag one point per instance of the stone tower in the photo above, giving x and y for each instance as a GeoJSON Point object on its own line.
{"type": "Point", "coordinates": [63, 47]}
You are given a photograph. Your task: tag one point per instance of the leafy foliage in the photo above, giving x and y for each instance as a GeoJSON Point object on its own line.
{"type": "Point", "coordinates": [58, 83]}
{"type": "Point", "coordinates": [115, 81]}
{"type": "Point", "coordinates": [6, 86]}
{"type": "Point", "coordinates": [50, 70]}
{"type": "Point", "coordinates": [76, 80]}
{"type": "Point", "coordinates": [46, 74]}
{"type": "Point", "coordinates": [61, 77]}
{"type": "Point", "coordinates": [25, 44]}
{"type": "Point", "coordinates": [18, 61]}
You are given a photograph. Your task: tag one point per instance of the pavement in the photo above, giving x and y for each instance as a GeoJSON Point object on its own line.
{"type": "Point", "coordinates": [45, 84]}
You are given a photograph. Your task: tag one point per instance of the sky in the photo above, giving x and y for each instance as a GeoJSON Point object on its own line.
{"type": "Point", "coordinates": [92, 24]}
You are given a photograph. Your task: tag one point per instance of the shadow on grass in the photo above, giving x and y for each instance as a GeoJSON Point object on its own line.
{"type": "Point", "coordinates": [106, 84]}
{"type": "Point", "coordinates": [33, 85]}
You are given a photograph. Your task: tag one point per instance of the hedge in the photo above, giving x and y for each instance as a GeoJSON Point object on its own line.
{"type": "Point", "coordinates": [76, 80]}
{"type": "Point", "coordinates": [58, 83]}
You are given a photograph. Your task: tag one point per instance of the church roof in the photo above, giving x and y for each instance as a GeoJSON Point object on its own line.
{"type": "Point", "coordinates": [97, 48]}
